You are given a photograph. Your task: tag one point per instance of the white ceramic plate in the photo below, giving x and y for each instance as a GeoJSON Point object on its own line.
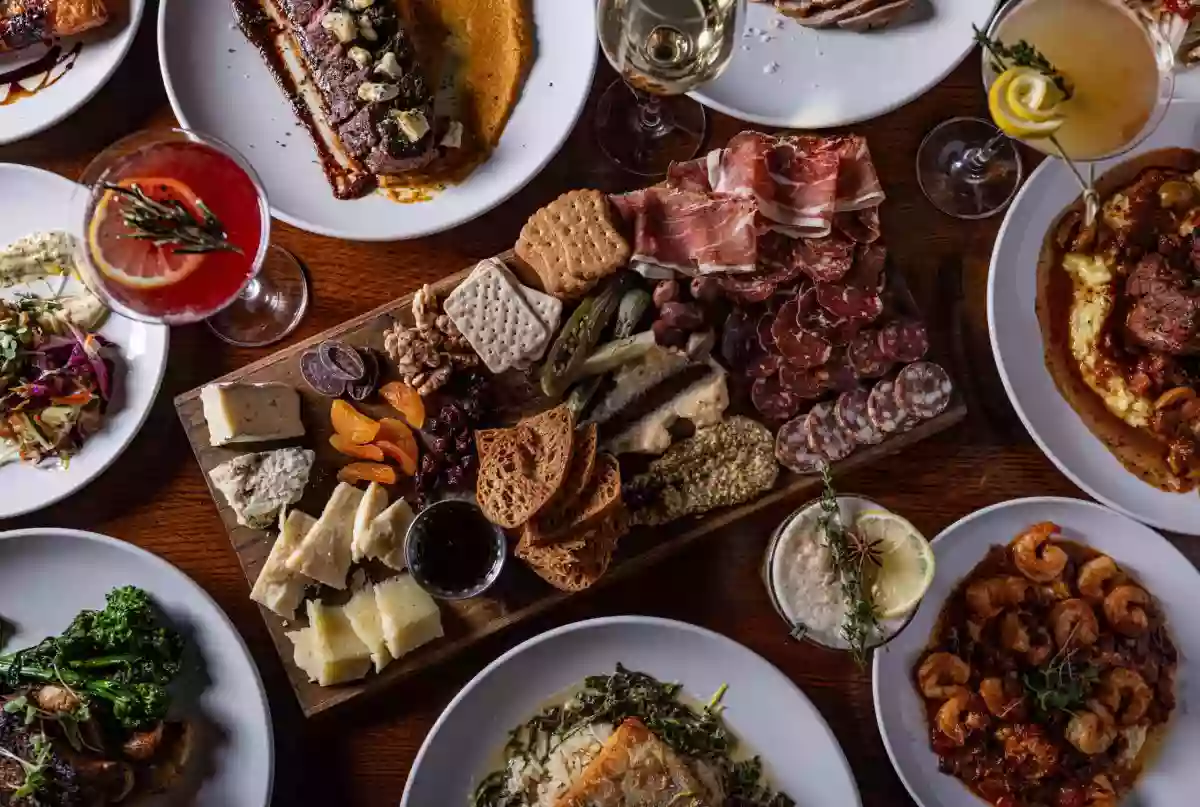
{"type": "Point", "coordinates": [1173, 777]}
{"type": "Point", "coordinates": [1017, 340]}
{"type": "Point", "coordinates": [811, 79]}
{"type": "Point", "coordinates": [763, 708]}
{"type": "Point", "coordinates": [103, 51]}
{"type": "Point", "coordinates": [218, 84]}
{"type": "Point", "coordinates": [36, 201]}
{"type": "Point", "coordinates": [49, 575]}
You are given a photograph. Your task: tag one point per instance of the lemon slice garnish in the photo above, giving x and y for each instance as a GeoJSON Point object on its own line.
{"type": "Point", "coordinates": [906, 562]}
{"type": "Point", "coordinates": [1025, 103]}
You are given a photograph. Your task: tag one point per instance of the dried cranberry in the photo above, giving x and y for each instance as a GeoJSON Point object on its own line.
{"type": "Point", "coordinates": [439, 445]}
{"type": "Point", "coordinates": [469, 463]}
{"type": "Point", "coordinates": [430, 464]}
{"type": "Point", "coordinates": [454, 476]}
{"type": "Point", "coordinates": [464, 442]}
{"type": "Point", "coordinates": [435, 426]}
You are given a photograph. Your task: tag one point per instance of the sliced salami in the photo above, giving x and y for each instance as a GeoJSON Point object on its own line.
{"type": "Point", "coordinates": [825, 260]}
{"type": "Point", "coordinates": [747, 289]}
{"type": "Point", "coordinates": [764, 332]}
{"type": "Point", "coordinates": [865, 355]}
{"type": "Point", "coordinates": [924, 389]}
{"type": "Point", "coordinates": [775, 402]}
{"type": "Point", "coordinates": [826, 437]}
{"type": "Point", "coordinates": [837, 374]}
{"type": "Point", "coordinates": [850, 302]}
{"type": "Point", "coordinates": [851, 414]}
{"type": "Point", "coordinates": [805, 384]}
{"type": "Point", "coordinates": [903, 340]}
{"type": "Point", "coordinates": [889, 416]}
{"type": "Point", "coordinates": [802, 347]}
{"type": "Point", "coordinates": [837, 330]}
{"type": "Point", "coordinates": [791, 448]}
{"type": "Point", "coordinates": [765, 366]}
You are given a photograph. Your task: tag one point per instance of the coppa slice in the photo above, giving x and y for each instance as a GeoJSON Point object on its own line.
{"type": "Point", "coordinates": [522, 467]}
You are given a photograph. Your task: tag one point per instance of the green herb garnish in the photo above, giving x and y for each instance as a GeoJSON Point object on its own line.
{"type": "Point", "coordinates": [170, 223]}
{"type": "Point", "coordinates": [1060, 686]}
{"type": "Point", "coordinates": [851, 554]}
{"type": "Point", "coordinates": [34, 769]}
{"type": "Point", "coordinates": [1022, 54]}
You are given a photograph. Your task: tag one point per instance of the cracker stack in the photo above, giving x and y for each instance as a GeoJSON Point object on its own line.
{"type": "Point", "coordinates": [546, 480]}
{"type": "Point", "coordinates": [572, 243]}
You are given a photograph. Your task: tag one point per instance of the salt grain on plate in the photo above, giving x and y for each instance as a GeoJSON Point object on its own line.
{"type": "Point", "coordinates": [770, 67]}
{"type": "Point", "coordinates": [765, 37]}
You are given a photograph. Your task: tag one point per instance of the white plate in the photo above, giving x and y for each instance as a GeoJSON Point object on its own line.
{"type": "Point", "coordinates": [36, 201]}
{"type": "Point", "coordinates": [218, 84]}
{"type": "Point", "coordinates": [1017, 340]}
{"type": "Point", "coordinates": [799, 751]}
{"type": "Point", "coordinates": [49, 575]}
{"type": "Point", "coordinates": [103, 51]}
{"type": "Point", "coordinates": [1173, 778]}
{"type": "Point", "coordinates": [832, 77]}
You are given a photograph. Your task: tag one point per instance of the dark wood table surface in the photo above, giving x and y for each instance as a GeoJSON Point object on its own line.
{"type": "Point", "coordinates": [155, 496]}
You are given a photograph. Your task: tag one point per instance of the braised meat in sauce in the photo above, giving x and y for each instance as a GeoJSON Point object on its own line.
{"type": "Point", "coordinates": [1049, 676]}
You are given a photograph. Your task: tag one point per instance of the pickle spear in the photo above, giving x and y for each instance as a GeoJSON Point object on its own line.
{"type": "Point", "coordinates": [580, 335]}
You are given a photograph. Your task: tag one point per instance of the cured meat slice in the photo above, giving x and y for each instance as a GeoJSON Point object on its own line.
{"type": "Point", "coordinates": [765, 365]}
{"type": "Point", "coordinates": [858, 225]}
{"type": "Point", "coordinates": [826, 437]}
{"type": "Point", "coordinates": [924, 389]}
{"type": "Point", "coordinates": [903, 340]}
{"type": "Point", "coordinates": [773, 400]}
{"type": "Point", "coordinates": [806, 384]}
{"type": "Point", "coordinates": [838, 330]}
{"type": "Point", "coordinates": [747, 289]}
{"type": "Point", "coordinates": [801, 346]}
{"type": "Point", "coordinates": [857, 297]}
{"type": "Point", "coordinates": [866, 356]}
{"type": "Point", "coordinates": [852, 415]}
{"type": "Point", "coordinates": [888, 415]}
{"type": "Point", "coordinates": [825, 260]}
{"type": "Point", "coordinates": [791, 448]}
{"type": "Point", "coordinates": [858, 186]}
{"type": "Point", "coordinates": [739, 339]}
{"type": "Point", "coordinates": [837, 373]}
{"type": "Point", "coordinates": [694, 233]}
{"type": "Point", "coordinates": [690, 175]}
{"type": "Point", "coordinates": [766, 339]}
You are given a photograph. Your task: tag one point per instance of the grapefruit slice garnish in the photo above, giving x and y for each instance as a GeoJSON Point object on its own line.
{"type": "Point", "coordinates": [137, 262]}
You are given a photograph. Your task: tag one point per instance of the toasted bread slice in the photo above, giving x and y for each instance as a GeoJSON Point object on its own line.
{"type": "Point", "coordinates": [521, 468]}
{"type": "Point", "coordinates": [576, 483]}
{"type": "Point", "coordinates": [576, 563]}
{"type": "Point", "coordinates": [592, 506]}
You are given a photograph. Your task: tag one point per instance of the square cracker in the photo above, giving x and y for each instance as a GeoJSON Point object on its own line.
{"type": "Point", "coordinates": [495, 318]}
{"type": "Point", "coordinates": [573, 244]}
{"type": "Point", "coordinates": [548, 308]}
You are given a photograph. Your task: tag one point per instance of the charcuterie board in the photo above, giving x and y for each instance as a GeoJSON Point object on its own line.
{"type": "Point", "coordinates": [520, 595]}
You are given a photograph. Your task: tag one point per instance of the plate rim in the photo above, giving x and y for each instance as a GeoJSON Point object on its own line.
{"type": "Point", "coordinates": [421, 231]}
{"type": "Point", "coordinates": [607, 621]}
{"type": "Point", "coordinates": [160, 375]}
{"type": "Point", "coordinates": [125, 43]}
{"type": "Point", "coordinates": [171, 569]}
{"type": "Point", "coordinates": [944, 535]}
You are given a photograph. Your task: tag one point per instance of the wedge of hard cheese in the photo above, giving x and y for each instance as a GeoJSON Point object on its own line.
{"type": "Point", "coordinates": [384, 538]}
{"type": "Point", "coordinates": [409, 616]}
{"type": "Point", "coordinates": [251, 413]}
{"type": "Point", "coordinates": [279, 588]}
{"type": "Point", "coordinates": [340, 655]}
{"type": "Point", "coordinates": [363, 613]}
{"type": "Point", "coordinates": [373, 503]}
{"type": "Point", "coordinates": [324, 553]}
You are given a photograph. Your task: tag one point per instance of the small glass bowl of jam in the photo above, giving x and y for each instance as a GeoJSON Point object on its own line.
{"type": "Point", "coordinates": [453, 551]}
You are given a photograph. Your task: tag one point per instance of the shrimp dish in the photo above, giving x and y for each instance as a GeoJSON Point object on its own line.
{"type": "Point", "coordinates": [1050, 676]}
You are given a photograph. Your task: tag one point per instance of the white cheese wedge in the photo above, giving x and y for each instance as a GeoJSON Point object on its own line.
{"type": "Point", "coordinates": [386, 535]}
{"type": "Point", "coordinates": [363, 612]}
{"type": "Point", "coordinates": [278, 587]}
{"type": "Point", "coordinates": [340, 655]}
{"type": "Point", "coordinates": [373, 503]}
{"type": "Point", "coordinates": [304, 653]}
{"type": "Point", "coordinates": [409, 615]}
{"type": "Point", "coordinates": [324, 553]}
{"type": "Point", "coordinates": [251, 413]}
{"type": "Point", "coordinates": [258, 486]}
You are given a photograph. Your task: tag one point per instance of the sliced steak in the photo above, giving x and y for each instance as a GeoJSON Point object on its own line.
{"type": "Point", "coordinates": [880, 17]}
{"type": "Point", "coordinates": [1167, 320]}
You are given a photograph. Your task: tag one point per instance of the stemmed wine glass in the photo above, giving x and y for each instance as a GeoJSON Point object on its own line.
{"type": "Point", "coordinates": [662, 49]}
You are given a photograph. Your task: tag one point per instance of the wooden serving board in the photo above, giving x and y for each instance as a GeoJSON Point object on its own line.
{"type": "Point", "coordinates": [520, 594]}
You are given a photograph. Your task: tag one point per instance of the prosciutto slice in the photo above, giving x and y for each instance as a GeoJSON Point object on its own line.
{"type": "Point", "coordinates": [692, 233]}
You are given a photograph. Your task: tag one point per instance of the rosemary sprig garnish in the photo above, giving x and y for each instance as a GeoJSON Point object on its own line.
{"type": "Point", "coordinates": [1022, 54]}
{"type": "Point", "coordinates": [171, 223]}
{"type": "Point", "coordinates": [851, 553]}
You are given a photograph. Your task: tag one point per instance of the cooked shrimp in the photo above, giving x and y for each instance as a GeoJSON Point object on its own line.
{"type": "Point", "coordinates": [1126, 695]}
{"type": "Point", "coordinates": [1125, 610]}
{"type": "Point", "coordinates": [1074, 623]}
{"type": "Point", "coordinates": [1002, 699]}
{"type": "Point", "coordinates": [987, 598]}
{"type": "Point", "coordinates": [1027, 750]}
{"type": "Point", "coordinates": [949, 719]}
{"type": "Point", "coordinates": [1092, 732]}
{"type": "Point", "coordinates": [1096, 577]}
{"type": "Point", "coordinates": [1013, 635]}
{"type": "Point", "coordinates": [1036, 556]}
{"type": "Point", "coordinates": [1101, 792]}
{"type": "Point", "coordinates": [943, 675]}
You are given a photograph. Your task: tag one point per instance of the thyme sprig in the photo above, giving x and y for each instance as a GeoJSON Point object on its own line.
{"type": "Point", "coordinates": [1022, 54]}
{"type": "Point", "coordinates": [170, 223]}
{"type": "Point", "coordinates": [851, 554]}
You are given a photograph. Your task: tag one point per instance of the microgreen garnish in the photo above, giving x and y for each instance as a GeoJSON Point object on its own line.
{"type": "Point", "coordinates": [1060, 685]}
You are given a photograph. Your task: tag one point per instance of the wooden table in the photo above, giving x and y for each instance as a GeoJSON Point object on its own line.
{"type": "Point", "coordinates": [155, 496]}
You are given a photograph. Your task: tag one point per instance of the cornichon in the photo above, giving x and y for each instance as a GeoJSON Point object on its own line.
{"type": "Point", "coordinates": [582, 394]}
{"type": "Point", "coordinates": [629, 313]}
{"type": "Point", "coordinates": [612, 355]}
{"type": "Point", "coordinates": [581, 333]}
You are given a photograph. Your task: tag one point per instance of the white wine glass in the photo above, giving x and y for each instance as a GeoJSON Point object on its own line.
{"type": "Point", "coordinates": [662, 49]}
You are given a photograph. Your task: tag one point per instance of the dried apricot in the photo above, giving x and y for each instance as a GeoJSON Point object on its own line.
{"type": "Point", "coordinates": [345, 445]}
{"type": "Point", "coordinates": [367, 472]}
{"type": "Point", "coordinates": [405, 400]}
{"type": "Point", "coordinates": [352, 424]}
{"type": "Point", "coordinates": [408, 462]}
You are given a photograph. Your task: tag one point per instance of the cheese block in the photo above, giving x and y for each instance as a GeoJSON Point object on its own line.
{"type": "Point", "coordinates": [386, 535]}
{"type": "Point", "coordinates": [324, 553]}
{"type": "Point", "coordinates": [258, 486]}
{"type": "Point", "coordinates": [278, 588]}
{"type": "Point", "coordinates": [250, 413]}
{"type": "Point", "coordinates": [304, 653]}
{"type": "Point", "coordinates": [363, 613]}
{"type": "Point", "coordinates": [410, 617]}
{"type": "Point", "coordinates": [373, 503]}
{"type": "Point", "coordinates": [339, 654]}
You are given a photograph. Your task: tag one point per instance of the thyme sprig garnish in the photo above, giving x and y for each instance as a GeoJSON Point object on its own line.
{"type": "Point", "coordinates": [1022, 54]}
{"type": "Point", "coordinates": [1061, 685]}
{"type": "Point", "coordinates": [170, 223]}
{"type": "Point", "coordinates": [851, 554]}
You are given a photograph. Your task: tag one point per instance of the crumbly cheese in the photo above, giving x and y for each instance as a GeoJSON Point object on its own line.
{"type": "Point", "coordinates": [251, 413]}
{"type": "Point", "coordinates": [324, 554]}
{"type": "Point", "coordinates": [258, 486]}
{"type": "Point", "coordinates": [409, 616]}
{"type": "Point", "coordinates": [278, 588]}
{"type": "Point", "coordinates": [412, 123]}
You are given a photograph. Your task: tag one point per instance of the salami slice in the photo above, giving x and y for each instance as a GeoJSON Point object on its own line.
{"type": "Point", "coordinates": [825, 260]}
{"type": "Point", "coordinates": [765, 338]}
{"type": "Point", "coordinates": [850, 302]}
{"type": "Point", "coordinates": [805, 384]}
{"type": "Point", "coordinates": [747, 289]}
{"type": "Point", "coordinates": [851, 414]}
{"type": "Point", "coordinates": [826, 437]}
{"type": "Point", "coordinates": [889, 416]}
{"type": "Point", "coordinates": [791, 448]}
{"type": "Point", "coordinates": [765, 366]}
{"type": "Point", "coordinates": [903, 340]}
{"type": "Point", "coordinates": [924, 389]}
{"type": "Point", "coordinates": [866, 357]}
{"type": "Point", "coordinates": [837, 373]}
{"type": "Point", "coordinates": [802, 347]}
{"type": "Point", "coordinates": [775, 402]}
{"type": "Point", "coordinates": [837, 330]}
